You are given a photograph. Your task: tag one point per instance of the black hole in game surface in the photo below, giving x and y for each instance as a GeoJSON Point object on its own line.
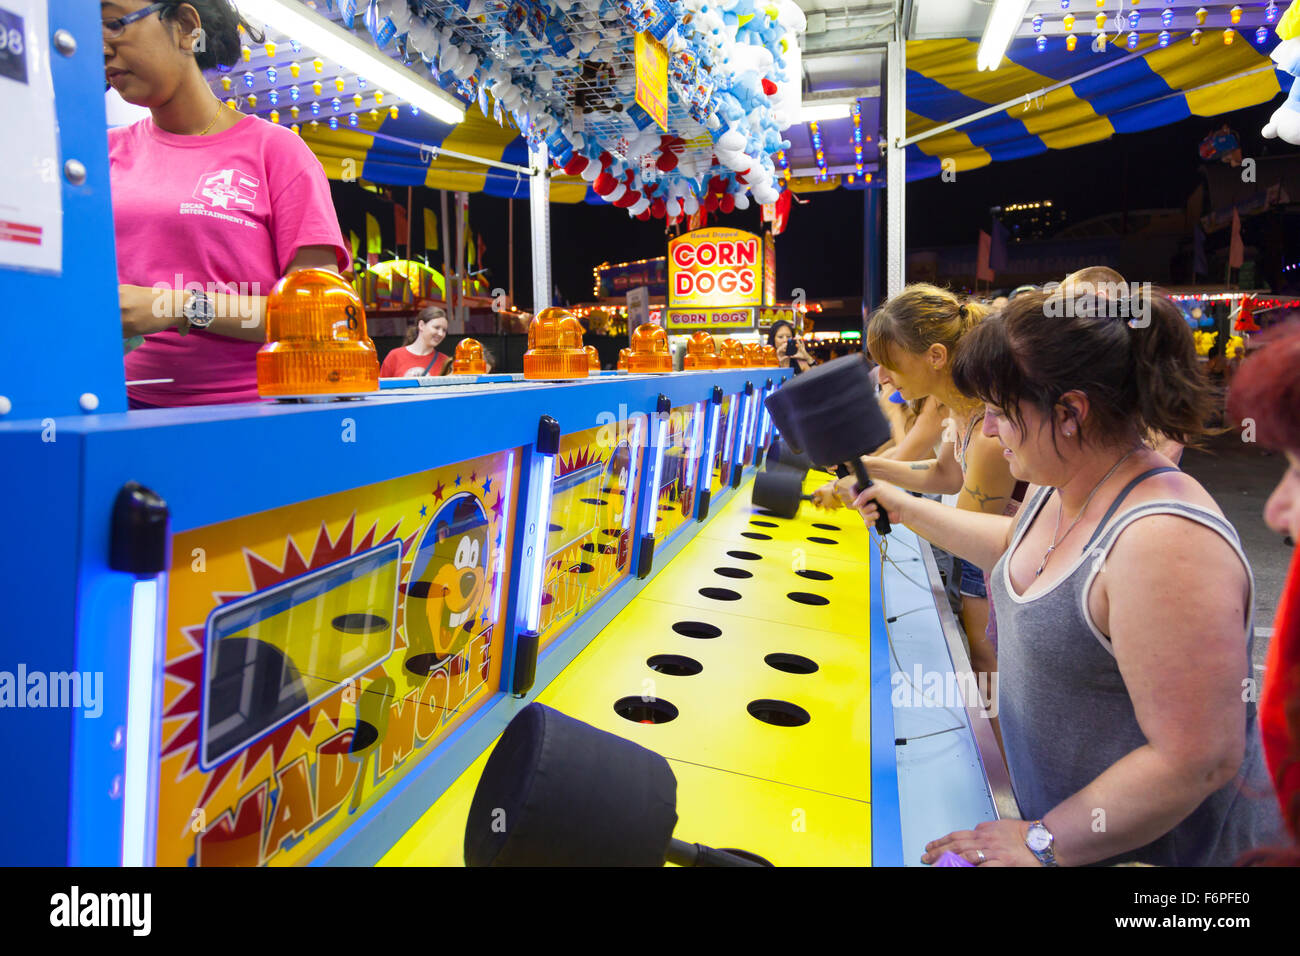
{"type": "Point", "coordinates": [767, 514]}
{"type": "Point", "coordinates": [803, 597]}
{"type": "Point", "coordinates": [359, 623]}
{"type": "Point", "coordinates": [720, 594]}
{"type": "Point", "coordinates": [756, 535]}
{"type": "Point", "coordinates": [583, 568]}
{"type": "Point", "coordinates": [779, 712]}
{"type": "Point", "coordinates": [675, 665]}
{"type": "Point", "coordinates": [733, 572]}
{"type": "Point", "coordinates": [814, 575]}
{"type": "Point", "coordinates": [791, 663]}
{"type": "Point", "coordinates": [591, 547]}
{"type": "Point", "coordinates": [697, 629]}
{"type": "Point", "coordinates": [746, 855]}
{"type": "Point", "coordinates": [593, 501]}
{"type": "Point", "coordinates": [612, 532]}
{"type": "Point", "coordinates": [364, 735]}
{"type": "Point", "coordinates": [827, 527]}
{"type": "Point", "coordinates": [745, 555]}
{"type": "Point", "coordinates": [645, 711]}
{"type": "Point", "coordinates": [816, 540]}
{"type": "Point", "coordinates": [556, 527]}
{"type": "Point", "coordinates": [763, 524]}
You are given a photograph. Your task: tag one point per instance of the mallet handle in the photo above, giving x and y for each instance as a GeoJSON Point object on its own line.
{"type": "Point", "coordinates": [695, 854]}
{"type": "Point", "coordinates": [864, 482]}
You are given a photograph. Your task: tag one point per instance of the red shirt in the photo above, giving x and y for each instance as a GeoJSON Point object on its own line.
{"type": "Point", "coordinates": [401, 362]}
{"type": "Point", "coordinates": [1281, 697]}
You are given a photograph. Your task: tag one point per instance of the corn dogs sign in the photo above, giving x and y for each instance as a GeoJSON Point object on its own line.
{"type": "Point", "coordinates": [715, 267]}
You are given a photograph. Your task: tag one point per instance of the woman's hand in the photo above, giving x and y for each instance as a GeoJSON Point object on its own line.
{"type": "Point", "coordinates": [145, 310]}
{"type": "Point", "coordinates": [881, 493]}
{"type": "Point", "coordinates": [802, 353]}
{"type": "Point", "coordinates": [992, 843]}
{"type": "Point", "coordinates": [827, 497]}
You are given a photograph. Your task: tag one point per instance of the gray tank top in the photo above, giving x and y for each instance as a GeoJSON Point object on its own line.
{"type": "Point", "coordinates": [1066, 715]}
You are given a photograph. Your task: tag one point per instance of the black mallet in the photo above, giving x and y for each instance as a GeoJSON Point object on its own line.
{"type": "Point", "coordinates": [558, 792]}
{"type": "Point", "coordinates": [780, 491]}
{"type": "Point", "coordinates": [830, 413]}
{"type": "Point", "coordinates": [781, 453]}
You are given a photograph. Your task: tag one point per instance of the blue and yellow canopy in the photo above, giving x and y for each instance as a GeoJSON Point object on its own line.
{"type": "Point", "coordinates": [1139, 90]}
{"type": "Point", "coordinates": [1134, 91]}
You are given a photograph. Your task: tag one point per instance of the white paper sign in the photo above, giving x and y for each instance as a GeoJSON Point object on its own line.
{"type": "Point", "coordinates": [31, 198]}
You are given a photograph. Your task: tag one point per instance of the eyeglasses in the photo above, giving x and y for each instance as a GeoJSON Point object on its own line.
{"type": "Point", "coordinates": [117, 25]}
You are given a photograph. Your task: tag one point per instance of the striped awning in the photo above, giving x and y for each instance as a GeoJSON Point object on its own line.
{"type": "Point", "coordinates": [1133, 91]}
{"type": "Point", "coordinates": [1121, 91]}
{"type": "Point", "coordinates": [401, 152]}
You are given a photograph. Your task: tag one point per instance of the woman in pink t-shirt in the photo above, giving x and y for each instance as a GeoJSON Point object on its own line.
{"type": "Point", "coordinates": [420, 356]}
{"type": "Point", "coordinates": [210, 207]}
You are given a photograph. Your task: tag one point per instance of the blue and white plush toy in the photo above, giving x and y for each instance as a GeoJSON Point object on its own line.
{"type": "Point", "coordinates": [1285, 121]}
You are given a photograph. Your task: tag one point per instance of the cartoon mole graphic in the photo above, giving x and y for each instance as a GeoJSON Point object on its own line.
{"type": "Point", "coordinates": [446, 586]}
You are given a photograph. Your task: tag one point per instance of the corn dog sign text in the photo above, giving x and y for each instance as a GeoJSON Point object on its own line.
{"type": "Point", "coordinates": [715, 267]}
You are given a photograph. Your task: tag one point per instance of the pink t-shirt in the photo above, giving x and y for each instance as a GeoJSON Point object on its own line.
{"type": "Point", "coordinates": [224, 213]}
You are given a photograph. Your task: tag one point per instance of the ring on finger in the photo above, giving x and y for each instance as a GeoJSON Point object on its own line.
{"type": "Point", "coordinates": [982, 857]}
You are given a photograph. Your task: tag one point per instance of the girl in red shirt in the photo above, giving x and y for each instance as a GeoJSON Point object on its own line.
{"type": "Point", "coordinates": [420, 356]}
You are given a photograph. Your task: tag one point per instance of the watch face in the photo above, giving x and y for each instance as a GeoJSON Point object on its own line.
{"type": "Point", "coordinates": [1038, 839]}
{"type": "Point", "coordinates": [200, 310]}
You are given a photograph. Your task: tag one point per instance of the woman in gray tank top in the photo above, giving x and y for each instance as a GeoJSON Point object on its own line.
{"type": "Point", "coordinates": [1122, 594]}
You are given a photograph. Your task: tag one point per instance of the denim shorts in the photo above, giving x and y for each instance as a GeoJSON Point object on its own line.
{"type": "Point", "coordinates": [972, 580]}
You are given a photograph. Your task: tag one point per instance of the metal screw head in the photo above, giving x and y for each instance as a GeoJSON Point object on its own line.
{"type": "Point", "coordinates": [65, 42]}
{"type": "Point", "coordinates": [74, 171]}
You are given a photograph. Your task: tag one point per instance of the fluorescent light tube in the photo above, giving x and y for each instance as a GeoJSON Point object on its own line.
{"type": "Point", "coordinates": [1004, 20]}
{"type": "Point", "coordinates": [821, 112]}
{"type": "Point", "coordinates": [330, 41]}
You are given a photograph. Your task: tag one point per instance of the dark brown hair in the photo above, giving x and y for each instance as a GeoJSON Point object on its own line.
{"type": "Point", "coordinates": [1266, 389]}
{"type": "Point", "coordinates": [220, 21]}
{"type": "Point", "coordinates": [1137, 377]}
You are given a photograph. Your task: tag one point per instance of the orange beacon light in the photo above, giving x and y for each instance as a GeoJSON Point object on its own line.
{"type": "Point", "coordinates": [649, 350]}
{"type": "Point", "coordinates": [469, 358]}
{"type": "Point", "coordinates": [701, 352]}
{"type": "Point", "coordinates": [316, 341]}
{"type": "Point", "coordinates": [555, 347]}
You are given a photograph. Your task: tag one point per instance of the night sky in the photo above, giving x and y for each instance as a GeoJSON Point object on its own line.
{"type": "Point", "coordinates": [821, 250]}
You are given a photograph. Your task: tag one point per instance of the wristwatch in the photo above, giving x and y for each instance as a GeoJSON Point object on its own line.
{"type": "Point", "coordinates": [199, 311]}
{"type": "Point", "coordinates": [1039, 839]}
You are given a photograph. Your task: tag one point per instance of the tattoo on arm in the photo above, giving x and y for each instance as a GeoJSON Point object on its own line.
{"type": "Point", "coordinates": [921, 465]}
{"type": "Point", "coordinates": [982, 499]}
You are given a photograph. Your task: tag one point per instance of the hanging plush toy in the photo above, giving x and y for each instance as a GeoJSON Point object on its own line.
{"type": "Point", "coordinates": [1285, 121]}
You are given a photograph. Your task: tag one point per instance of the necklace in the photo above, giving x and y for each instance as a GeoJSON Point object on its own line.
{"type": "Point", "coordinates": [220, 106]}
{"type": "Point", "coordinates": [1087, 501]}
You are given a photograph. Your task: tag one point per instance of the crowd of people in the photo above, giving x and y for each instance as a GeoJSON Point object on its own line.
{"type": "Point", "coordinates": [1128, 711]}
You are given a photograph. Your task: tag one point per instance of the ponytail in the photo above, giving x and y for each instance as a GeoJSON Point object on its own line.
{"type": "Point", "coordinates": [920, 316]}
{"type": "Point", "coordinates": [1174, 395]}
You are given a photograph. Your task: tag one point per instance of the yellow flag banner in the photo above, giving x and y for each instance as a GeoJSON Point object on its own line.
{"type": "Point", "coordinates": [374, 244]}
{"type": "Point", "coordinates": [430, 230]}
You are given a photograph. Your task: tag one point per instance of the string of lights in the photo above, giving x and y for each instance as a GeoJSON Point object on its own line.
{"type": "Point", "coordinates": [1134, 21]}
